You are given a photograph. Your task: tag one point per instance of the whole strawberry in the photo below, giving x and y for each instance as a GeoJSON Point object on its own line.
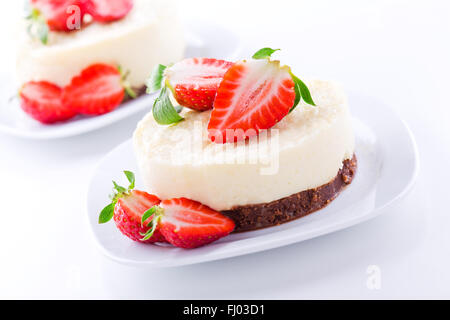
{"type": "Point", "coordinates": [130, 208]}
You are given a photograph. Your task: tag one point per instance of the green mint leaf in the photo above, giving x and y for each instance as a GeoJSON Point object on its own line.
{"type": "Point", "coordinates": [154, 83]}
{"type": "Point", "coordinates": [264, 53]}
{"type": "Point", "coordinates": [106, 214]}
{"type": "Point", "coordinates": [163, 110]}
{"type": "Point", "coordinates": [131, 179]}
{"type": "Point", "coordinates": [119, 188]}
{"type": "Point", "coordinates": [147, 214]}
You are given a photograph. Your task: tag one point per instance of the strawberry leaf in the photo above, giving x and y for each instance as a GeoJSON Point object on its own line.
{"type": "Point", "coordinates": [152, 230]}
{"type": "Point", "coordinates": [306, 95]}
{"type": "Point", "coordinates": [125, 83]}
{"type": "Point", "coordinates": [264, 53]}
{"type": "Point", "coordinates": [154, 83]}
{"type": "Point", "coordinates": [147, 214]}
{"type": "Point", "coordinates": [163, 110]}
{"type": "Point", "coordinates": [118, 188]}
{"type": "Point", "coordinates": [298, 97]}
{"type": "Point", "coordinates": [301, 92]}
{"type": "Point", "coordinates": [37, 27]}
{"type": "Point", "coordinates": [131, 178]}
{"type": "Point", "coordinates": [107, 213]}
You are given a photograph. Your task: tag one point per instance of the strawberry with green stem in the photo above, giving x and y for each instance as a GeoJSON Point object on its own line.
{"type": "Point", "coordinates": [254, 95]}
{"type": "Point", "coordinates": [192, 82]}
{"type": "Point", "coordinates": [54, 15]}
{"type": "Point", "coordinates": [128, 207]}
{"type": "Point", "coordinates": [186, 223]}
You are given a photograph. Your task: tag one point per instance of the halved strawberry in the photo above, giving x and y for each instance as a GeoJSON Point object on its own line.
{"type": "Point", "coordinates": [58, 12]}
{"type": "Point", "coordinates": [108, 10]}
{"type": "Point", "coordinates": [97, 90]}
{"type": "Point", "coordinates": [128, 208]}
{"type": "Point", "coordinates": [193, 81]}
{"type": "Point", "coordinates": [42, 101]}
{"type": "Point", "coordinates": [254, 95]}
{"type": "Point", "coordinates": [189, 224]}
{"type": "Point", "coordinates": [128, 214]}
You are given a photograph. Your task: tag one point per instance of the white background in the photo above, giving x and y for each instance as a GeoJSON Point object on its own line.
{"type": "Point", "coordinates": [398, 51]}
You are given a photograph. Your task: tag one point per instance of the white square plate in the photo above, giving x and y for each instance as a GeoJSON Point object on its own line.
{"type": "Point", "coordinates": [387, 167]}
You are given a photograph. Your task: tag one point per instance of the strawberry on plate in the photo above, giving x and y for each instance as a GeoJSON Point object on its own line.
{"type": "Point", "coordinates": [42, 101]}
{"type": "Point", "coordinates": [189, 224]}
{"type": "Point", "coordinates": [193, 83]}
{"type": "Point", "coordinates": [108, 10]}
{"type": "Point", "coordinates": [127, 208]}
{"type": "Point", "coordinates": [254, 95]}
{"type": "Point", "coordinates": [99, 89]}
{"type": "Point", "coordinates": [57, 13]}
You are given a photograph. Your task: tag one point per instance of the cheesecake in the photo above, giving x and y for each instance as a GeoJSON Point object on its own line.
{"type": "Point", "coordinates": [90, 62]}
{"type": "Point", "coordinates": [297, 167]}
{"type": "Point", "coordinates": [150, 33]}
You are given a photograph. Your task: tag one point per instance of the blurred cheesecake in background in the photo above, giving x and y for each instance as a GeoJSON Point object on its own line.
{"type": "Point", "coordinates": [87, 57]}
{"type": "Point", "coordinates": [150, 33]}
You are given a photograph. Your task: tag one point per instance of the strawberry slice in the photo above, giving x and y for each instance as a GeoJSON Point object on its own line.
{"type": "Point", "coordinates": [97, 90]}
{"type": "Point", "coordinates": [108, 10]}
{"type": "Point", "coordinates": [189, 224]}
{"type": "Point", "coordinates": [42, 101]}
{"type": "Point", "coordinates": [128, 207]}
{"type": "Point", "coordinates": [58, 12]}
{"type": "Point", "coordinates": [193, 81]}
{"type": "Point", "coordinates": [254, 95]}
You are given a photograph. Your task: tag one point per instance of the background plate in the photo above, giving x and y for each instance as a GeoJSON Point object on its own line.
{"type": "Point", "coordinates": [202, 41]}
{"type": "Point", "coordinates": [388, 165]}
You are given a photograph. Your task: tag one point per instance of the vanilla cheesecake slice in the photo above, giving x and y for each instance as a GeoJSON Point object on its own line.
{"type": "Point", "coordinates": [149, 34]}
{"type": "Point", "coordinates": [298, 167]}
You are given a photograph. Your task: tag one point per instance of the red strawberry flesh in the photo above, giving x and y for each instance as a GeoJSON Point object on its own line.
{"type": "Point", "coordinates": [189, 224]}
{"type": "Point", "coordinates": [56, 12]}
{"type": "Point", "coordinates": [97, 90]}
{"type": "Point", "coordinates": [128, 214]}
{"type": "Point", "coordinates": [195, 81]}
{"type": "Point", "coordinates": [253, 96]}
{"type": "Point", "coordinates": [108, 10]}
{"type": "Point", "coordinates": [42, 101]}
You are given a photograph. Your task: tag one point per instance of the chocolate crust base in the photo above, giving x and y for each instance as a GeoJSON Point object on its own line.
{"type": "Point", "coordinates": [258, 216]}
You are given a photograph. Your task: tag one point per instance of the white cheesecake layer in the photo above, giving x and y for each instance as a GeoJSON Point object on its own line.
{"type": "Point", "coordinates": [310, 147]}
{"type": "Point", "coordinates": [151, 33]}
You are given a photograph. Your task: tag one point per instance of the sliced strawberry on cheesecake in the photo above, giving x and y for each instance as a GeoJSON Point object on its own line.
{"type": "Point", "coordinates": [193, 83]}
{"type": "Point", "coordinates": [108, 10]}
{"type": "Point", "coordinates": [254, 95]}
{"type": "Point", "coordinates": [99, 89]}
{"type": "Point", "coordinates": [57, 13]}
{"type": "Point", "coordinates": [189, 224]}
{"type": "Point", "coordinates": [42, 101]}
{"type": "Point", "coordinates": [128, 207]}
